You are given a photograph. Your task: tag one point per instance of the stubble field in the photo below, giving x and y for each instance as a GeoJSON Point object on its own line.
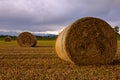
{"type": "Point", "coordinates": [42, 63]}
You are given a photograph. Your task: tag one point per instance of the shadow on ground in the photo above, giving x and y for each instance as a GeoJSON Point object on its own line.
{"type": "Point", "coordinates": [116, 62]}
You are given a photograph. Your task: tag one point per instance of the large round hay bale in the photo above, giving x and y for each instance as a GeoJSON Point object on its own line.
{"type": "Point", "coordinates": [26, 39]}
{"type": "Point", "coordinates": [7, 39]}
{"type": "Point", "coordinates": [87, 41]}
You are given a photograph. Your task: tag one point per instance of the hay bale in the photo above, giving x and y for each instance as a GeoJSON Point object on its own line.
{"type": "Point", "coordinates": [7, 39]}
{"type": "Point", "coordinates": [87, 41]}
{"type": "Point", "coordinates": [26, 39]}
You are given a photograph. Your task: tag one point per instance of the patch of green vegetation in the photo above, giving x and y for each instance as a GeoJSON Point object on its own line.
{"type": "Point", "coordinates": [46, 42]}
{"type": "Point", "coordinates": [11, 43]}
{"type": "Point", "coordinates": [39, 43]}
{"type": "Point", "coordinates": [118, 38]}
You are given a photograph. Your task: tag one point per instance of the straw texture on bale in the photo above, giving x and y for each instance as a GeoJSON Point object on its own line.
{"type": "Point", "coordinates": [7, 39]}
{"type": "Point", "coordinates": [26, 39]}
{"type": "Point", "coordinates": [88, 40]}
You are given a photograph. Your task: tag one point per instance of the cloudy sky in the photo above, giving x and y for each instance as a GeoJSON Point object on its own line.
{"type": "Point", "coordinates": [51, 16]}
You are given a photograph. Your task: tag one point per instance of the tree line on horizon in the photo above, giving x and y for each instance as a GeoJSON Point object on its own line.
{"type": "Point", "coordinates": [53, 37]}
{"type": "Point", "coordinates": [2, 37]}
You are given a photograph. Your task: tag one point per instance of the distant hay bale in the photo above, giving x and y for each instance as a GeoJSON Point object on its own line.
{"type": "Point", "coordinates": [87, 41]}
{"type": "Point", "coordinates": [26, 39]}
{"type": "Point", "coordinates": [7, 39]}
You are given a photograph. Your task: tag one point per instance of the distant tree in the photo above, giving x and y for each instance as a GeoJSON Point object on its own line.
{"type": "Point", "coordinates": [116, 29]}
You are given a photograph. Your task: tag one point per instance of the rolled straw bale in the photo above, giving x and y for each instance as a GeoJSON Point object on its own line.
{"type": "Point", "coordinates": [88, 40]}
{"type": "Point", "coordinates": [26, 39]}
{"type": "Point", "coordinates": [7, 39]}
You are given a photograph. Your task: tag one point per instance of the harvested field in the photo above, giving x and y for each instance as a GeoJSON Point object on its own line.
{"type": "Point", "coordinates": [42, 63]}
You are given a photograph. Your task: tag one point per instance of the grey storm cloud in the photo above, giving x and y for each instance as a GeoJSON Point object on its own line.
{"type": "Point", "coordinates": [51, 15]}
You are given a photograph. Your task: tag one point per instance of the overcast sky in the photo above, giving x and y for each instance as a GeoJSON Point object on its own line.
{"type": "Point", "coordinates": [51, 16]}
